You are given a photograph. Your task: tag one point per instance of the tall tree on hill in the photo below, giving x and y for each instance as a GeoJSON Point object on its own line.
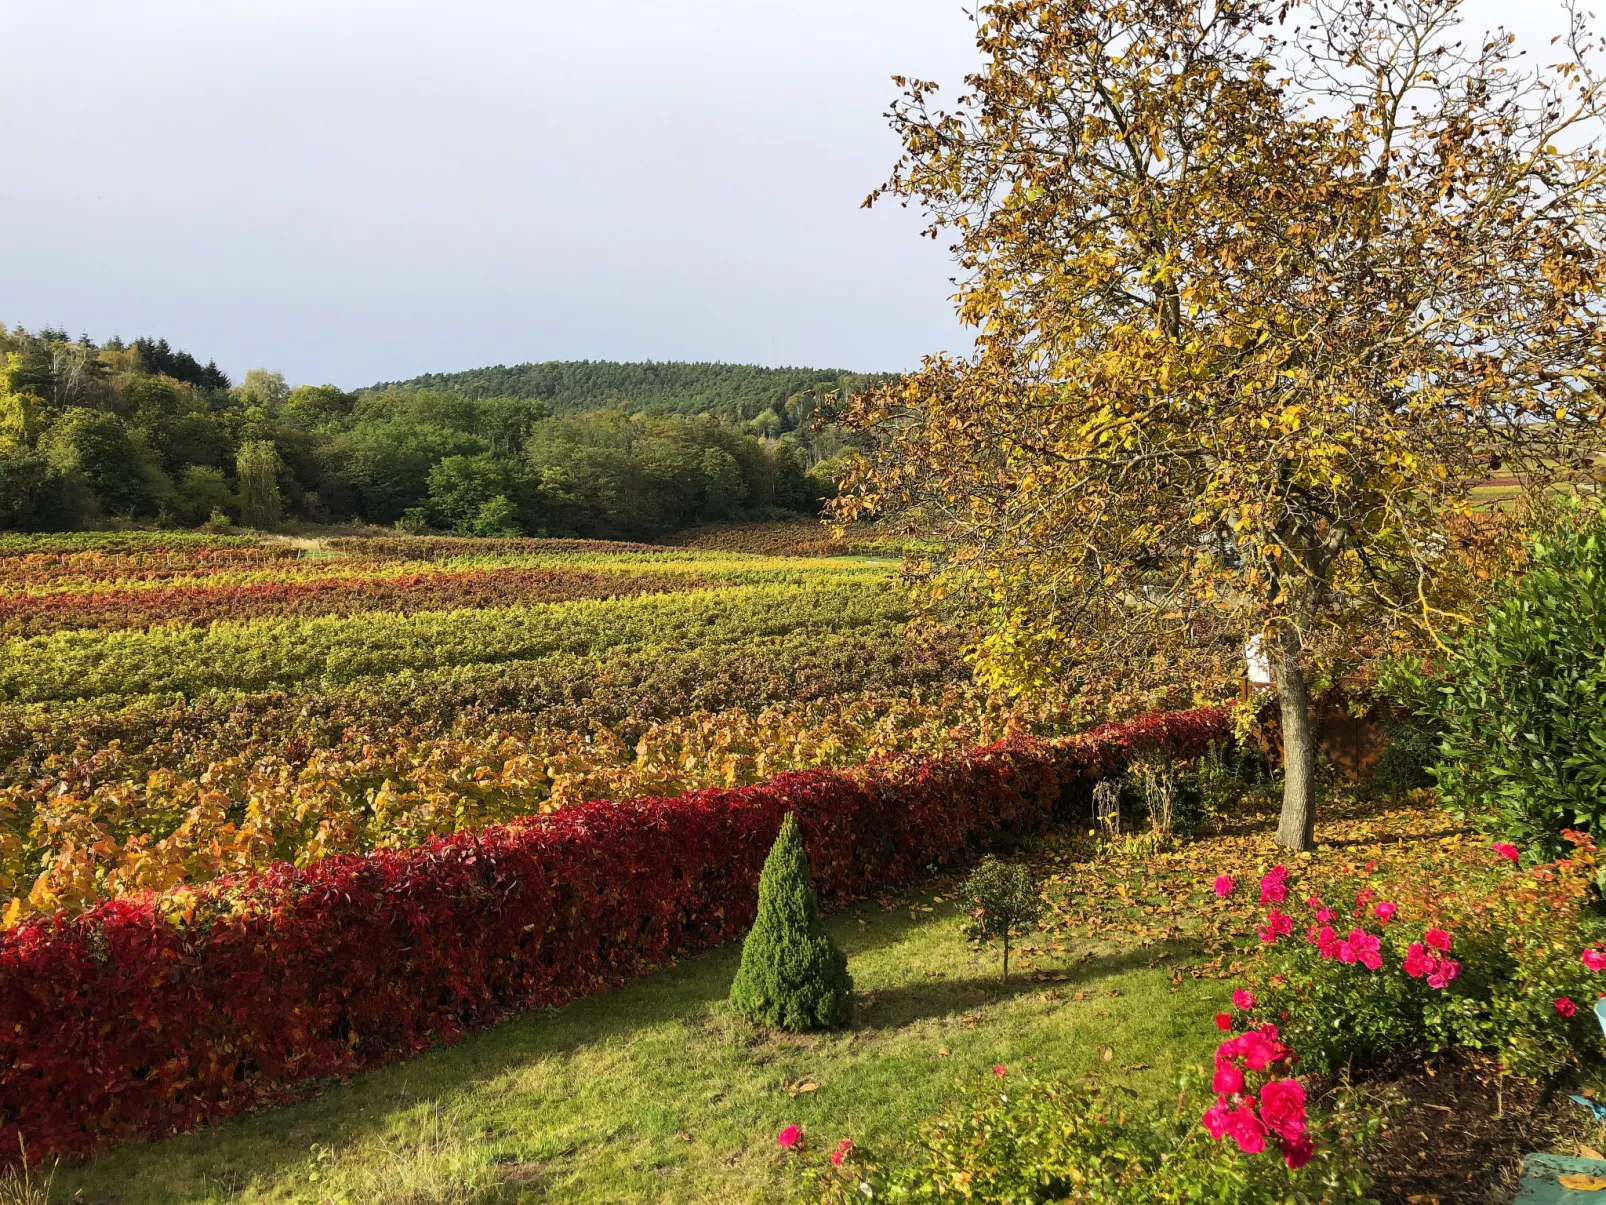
{"type": "Point", "coordinates": [257, 467]}
{"type": "Point", "coordinates": [1262, 291]}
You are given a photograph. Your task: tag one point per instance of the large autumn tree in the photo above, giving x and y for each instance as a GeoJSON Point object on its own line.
{"type": "Point", "coordinates": [1262, 291]}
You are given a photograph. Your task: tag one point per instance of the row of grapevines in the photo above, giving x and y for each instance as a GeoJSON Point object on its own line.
{"type": "Point", "coordinates": [802, 538]}
{"type": "Point", "coordinates": [116, 542]}
{"type": "Point", "coordinates": [23, 615]}
{"type": "Point", "coordinates": [785, 538]}
{"type": "Point", "coordinates": [60, 568]}
{"type": "Point", "coordinates": [261, 654]}
{"type": "Point", "coordinates": [171, 829]}
{"type": "Point", "coordinates": [413, 548]}
{"type": "Point", "coordinates": [725, 567]}
{"type": "Point", "coordinates": [75, 747]}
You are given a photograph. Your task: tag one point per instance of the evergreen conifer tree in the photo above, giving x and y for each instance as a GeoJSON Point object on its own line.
{"type": "Point", "coordinates": [793, 976]}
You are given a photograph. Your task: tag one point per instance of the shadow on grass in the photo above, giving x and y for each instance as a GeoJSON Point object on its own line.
{"type": "Point", "coordinates": [341, 1113]}
{"type": "Point", "coordinates": [366, 1108]}
{"type": "Point", "coordinates": [899, 1006]}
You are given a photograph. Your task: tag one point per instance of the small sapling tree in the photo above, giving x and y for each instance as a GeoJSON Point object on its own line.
{"type": "Point", "coordinates": [1003, 903]}
{"type": "Point", "coordinates": [793, 975]}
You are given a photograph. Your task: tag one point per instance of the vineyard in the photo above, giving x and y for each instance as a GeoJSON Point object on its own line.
{"type": "Point", "coordinates": [178, 708]}
{"type": "Point", "coordinates": [235, 771]}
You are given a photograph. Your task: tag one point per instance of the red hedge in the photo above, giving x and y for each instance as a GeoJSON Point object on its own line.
{"type": "Point", "coordinates": [121, 1022]}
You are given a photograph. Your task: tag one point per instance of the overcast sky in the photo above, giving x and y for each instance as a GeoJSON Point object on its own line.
{"type": "Point", "coordinates": [358, 190]}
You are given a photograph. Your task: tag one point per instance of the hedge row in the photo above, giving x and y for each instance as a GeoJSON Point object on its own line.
{"type": "Point", "coordinates": [133, 1019]}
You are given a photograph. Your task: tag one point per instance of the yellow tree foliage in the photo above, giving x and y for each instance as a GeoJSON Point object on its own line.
{"type": "Point", "coordinates": [1262, 291]}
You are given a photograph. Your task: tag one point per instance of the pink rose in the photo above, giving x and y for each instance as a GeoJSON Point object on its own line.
{"type": "Point", "coordinates": [1442, 975]}
{"type": "Point", "coordinates": [1565, 1007]}
{"type": "Point", "coordinates": [1437, 939]}
{"type": "Point", "coordinates": [1327, 943]}
{"type": "Point", "coordinates": [1247, 1131]}
{"type": "Point", "coordinates": [1278, 924]}
{"type": "Point", "coordinates": [1298, 1152]}
{"type": "Point", "coordinates": [1365, 947]}
{"type": "Point", "coordinates": [843, 1150]}
{"type": "Point", "coordinates": [1385, 911]}
{"type": "Point", "coordinates": [789, 1137]}
{"type": "Point", "coordinates": [1224, 885]}
{"type": "Point", "coordinates": [1508, 852]}
{"type": "Point", "coordinates": [1258, 1052]}
{"type": "Point", "coordinates": [1417, 961]}
{"type": "Point", "coordinates": [1274, 887]}
{"type": "Point", "coordinates": [1227, 1081]}
{"type": "Point", "coordinates": [1223, 1021]}
{"type": "Point", "coordinates": [1000, 1070]}
{"type": "Point", "coordinates": [1282, 1107]}
{"type": "Point", "coordinates": [1242, 999]}
{"type": "Point", "coordinates": [1595, 958]}
{"type": "Point", "coordinates": [1215, 1121]}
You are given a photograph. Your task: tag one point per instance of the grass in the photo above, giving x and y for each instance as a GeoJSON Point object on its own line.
{"type": "Point", "coordinates": [657, 1093]}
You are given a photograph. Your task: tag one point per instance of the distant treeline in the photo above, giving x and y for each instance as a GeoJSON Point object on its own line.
{"type": "Point", "coordinates": [778, 399]}
{"type": "Point", "coordinates": [142, 431]}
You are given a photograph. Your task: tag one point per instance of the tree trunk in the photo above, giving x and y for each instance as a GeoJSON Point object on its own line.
{"type": "Point", "coordinates": [1297, 829]}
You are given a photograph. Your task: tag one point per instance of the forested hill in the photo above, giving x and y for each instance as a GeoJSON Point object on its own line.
{"type": "Point", "coordinates": [738, 392]}
{"type": "Point", "coordinates": [94, 432]}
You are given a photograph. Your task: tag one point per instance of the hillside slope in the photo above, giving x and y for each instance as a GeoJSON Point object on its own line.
{"type": "Point", "coordinates": [732, 391]}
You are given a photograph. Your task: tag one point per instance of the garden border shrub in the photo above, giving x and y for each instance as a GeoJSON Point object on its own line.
{"type": "Point", "coordinates": [149, 1015]}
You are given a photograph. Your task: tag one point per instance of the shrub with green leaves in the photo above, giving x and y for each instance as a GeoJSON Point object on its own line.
{"type": "Point", "coordinates": [1031, 1142]}
{"type": "Point", "coordinates": [1003, 902]}
{"type": "Point", "coordinates": [1522, 700]}
{"type": "Point", "coordinates": [793, 975]}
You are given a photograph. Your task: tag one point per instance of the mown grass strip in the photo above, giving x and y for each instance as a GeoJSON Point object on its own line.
{"type": "Point", "coordinates": [654, 1092]}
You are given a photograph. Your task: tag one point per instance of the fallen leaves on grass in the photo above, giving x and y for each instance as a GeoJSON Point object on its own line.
{"type": "Point", "coordinates": [1120, 895]}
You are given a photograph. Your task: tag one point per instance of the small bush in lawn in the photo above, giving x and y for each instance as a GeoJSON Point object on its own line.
{"type": "Point", "coordinates": [1003, 903]}
{"type": "Point", "coordinates": [793, 976]}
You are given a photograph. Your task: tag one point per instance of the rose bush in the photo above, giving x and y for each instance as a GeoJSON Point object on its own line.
{"type": "Point", "coordinates": [1026, 1141]}
{"type": "Point", "coordinates": [1493, 961]}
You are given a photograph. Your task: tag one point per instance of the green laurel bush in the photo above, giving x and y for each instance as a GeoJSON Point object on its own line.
{"type": "Point", "coordinates": [1521, 702]}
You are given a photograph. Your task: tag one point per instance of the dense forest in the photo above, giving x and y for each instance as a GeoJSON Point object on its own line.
{"type": "Point", "coordinates": [141, 431]}
{"type": "Point", "coordinates": [775, 399]}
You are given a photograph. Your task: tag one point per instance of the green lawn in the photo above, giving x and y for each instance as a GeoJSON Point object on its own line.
{"type": "Point", "coordinates": [656, 1093]}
